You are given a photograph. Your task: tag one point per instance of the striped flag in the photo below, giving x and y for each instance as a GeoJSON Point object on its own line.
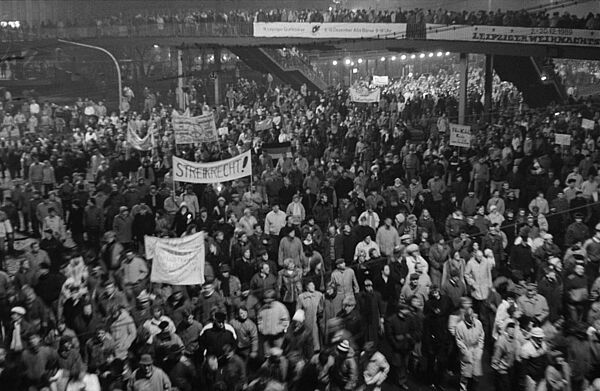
{"type": "Point", "coordinates": [278, 150]}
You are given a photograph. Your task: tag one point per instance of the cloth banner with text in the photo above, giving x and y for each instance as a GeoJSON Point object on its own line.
{"type": "Point", "coordinates": [142, 144]}
{"type": "Point", "coordinates": [360, 94]}
{"type": "Point", "coordinates": [212, 172]}
{"type": "Point", "coordinates": [176, 261]}
{"type": "Point", "coordinates": [194, 130]}
{"type": "Point", "coordinates": [265, 124]}
{"type": "Point", "coordinates": [460, 136]}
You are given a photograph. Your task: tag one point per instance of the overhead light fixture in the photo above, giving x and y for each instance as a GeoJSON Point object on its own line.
{"type": "Point", "coordinates": [403, 57]}
{"type": "Point", "coordinates": [360, 60]}
{"type": "Point", "coordinates": [440, 54]}
{"type": "Point", "coordinates": [334, 62]}
{"type": "Point", "coordinates": [447, 53]}
{"type": "Point", "coordinates": [430, 54]}
{"type": "Point", "coordinates": [413, 56]}
{"type": "Point", "coordinates": [393, 58]}
{"type": "Point", "coordinates": [382, 58]}
{"type": "Point", "coordinates": [422, 55]}
{"type": "Point", "coordinates": [347, 61]}
{"type": "Point", "coordinates": [155, 46]}
{"type": "Point", "coordinates": [352, 63]}
{"type": "Point", "coordinates": [355, 70]}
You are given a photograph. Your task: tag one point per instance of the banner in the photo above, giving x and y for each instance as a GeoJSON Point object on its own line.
{"type": "Point", "coordinates": [176, 261]}
{"type": "Point", "coordinates": [362, 94]}
{"type": "Point", "coordinates": [521, 35]}
{"type": "Point", "coordinates": [381, 81]}
{"type": "Point", "coordinates": [329, 30]}
{"type": "Point", "coordinates": [277, 150]}
{"type": "Point", "coordinates": [194, 130]}
{"type": "Point", "coordinates": [587, 123]}
{"type": "Point", "coordinates": [460, 136]}
{"type": "Point", "coordinates": [562, 139]}
{"type": "Point", "coordinates": [212, 172]}
{"type": "Point", "coordinates": [136, 142]}
{"type": "Point", "coordinates": [265, 124]}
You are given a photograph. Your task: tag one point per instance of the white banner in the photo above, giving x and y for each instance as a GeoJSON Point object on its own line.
{"type": "Point", "coordinates": [381, 81]}
{"type": "Point", "coordinates": [562, 139]}
{"type": "Point", "coordinates": [136, 142]}
{"type": "Point", "coordinates": [176, 261]}
{"type": "Point", "coordinates": [212, 172]}
{"type": "Point", "coordinates": [362, 94]}
{"type": "Point", "coordinates": [521, 35]}
{"type": "Point", "coordinates": [587, 123]}
{"type": "Point", "coordinates": [460, 135]}
{"type": "Point", "coordinates": [329, 30]}
{"type": "Point", "coordinates": [194, 130]}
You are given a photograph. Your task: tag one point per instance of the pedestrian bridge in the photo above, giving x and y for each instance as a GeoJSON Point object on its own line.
{"type": "Point", "coordinates": [501, 40]}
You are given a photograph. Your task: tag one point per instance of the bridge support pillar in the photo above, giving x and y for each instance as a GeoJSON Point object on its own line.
{"type": "Point", "coordinates": [217, 79]}
{"type": "Point", "coordinates": [180, 94]}
{"type": "Point", "coordinates": [463, 67]}
{"type": "Point", "coordinates": [488, 86]}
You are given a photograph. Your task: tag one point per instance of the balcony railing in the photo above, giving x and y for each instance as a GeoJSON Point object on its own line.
{"type": "Point", "coordinates": [291, 62]}
{"type": "Point", "coordinates": [215, 29]}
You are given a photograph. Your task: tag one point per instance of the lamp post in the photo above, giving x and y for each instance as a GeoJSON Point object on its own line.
{"type": "Point", "coordinates": [109, 54]}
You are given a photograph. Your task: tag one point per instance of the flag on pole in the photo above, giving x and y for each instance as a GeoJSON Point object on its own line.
{"type": "Point", "coordinates": [278, 150]}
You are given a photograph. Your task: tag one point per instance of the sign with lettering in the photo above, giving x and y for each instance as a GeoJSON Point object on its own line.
{"type": "Point", "coordinates": [213, 172]}
{"type": "Point", "coordinates": [194, 130]}
{"type": "Point", "coordinates": [562, 139]}
{"type": "Point", "coordinates": [460, 135]}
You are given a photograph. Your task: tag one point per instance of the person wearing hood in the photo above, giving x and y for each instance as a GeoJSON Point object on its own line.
{"type": "Point", "coordinates": [182, 219]}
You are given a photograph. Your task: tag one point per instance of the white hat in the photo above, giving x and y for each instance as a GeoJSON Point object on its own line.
{"type": "Point", "coordinates": [19, 310]}
{"type": "Point", "coordinates": [412, 248]}
{"type": "Point", "coordinates": [299, 316]}
{"type": "Point", "coordinates": [344, 346]}
{"type": "Point", "coordinates": [537, 332]}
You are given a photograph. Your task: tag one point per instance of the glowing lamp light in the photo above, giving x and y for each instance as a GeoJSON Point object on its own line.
{"type": "Point", "coordinates": [422, 55]}
{"type": "Point", "coordinates": [440, 54]}
{"type": "Point", "coordinates": [347, 61]}
{"type": "Point", "coordinates": [447, 53]}
{"type": "Point", "coordinates": [360, 60]}
{"type": "Point", "coordinates": [382, 58]}
{"type": "Point", "coordinates": [430, 55]}
{"type": "Point", "coordinates": [403, 57]}
{"type": "Point", "coordinates": [393, 58]}
{"type": "Point", "coordinates": [334, 62]}
{"type": "Point", "coordinates": [355, 70]}
{"type": "Point", "coordinates": [155, 46]}
{"type": "Point", "coordinates": [413, 56]}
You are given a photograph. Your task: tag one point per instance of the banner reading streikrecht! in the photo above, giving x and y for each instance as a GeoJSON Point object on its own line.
{"type": "Point", "coordinates": [212, 172]}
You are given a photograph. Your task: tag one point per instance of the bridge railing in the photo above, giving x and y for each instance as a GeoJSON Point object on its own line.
{"type": "Point", "coordinates": [213, 29]}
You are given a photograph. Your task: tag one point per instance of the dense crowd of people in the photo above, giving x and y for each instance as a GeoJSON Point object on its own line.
{"type": "Point", "coordinates": [364, 258]}
{"type": "Point", "coordinates": [239, 21]}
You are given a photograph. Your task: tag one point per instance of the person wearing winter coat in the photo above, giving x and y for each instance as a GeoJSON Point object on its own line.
{"type": "Point", "coordinates": [401, 334]}
{"type": "Point", "coordinates": [311, 302]}
{"type": "Point", "coordinates": [373, 367]}
{"type": "Point", "coordinates": [344, 372]}
{"type": "Point", "coordinates": [290, 247]}
{"type": "Point", "coordinates": [123, 331]}
{"type": "Point", "coordinates": [436, 312]}
{"type": "Point", "coordinates": [289, 284]}
{"type": "Point", "coordinates": [182, 219]}
{"type": "Point", "coordinates": [470, 338]}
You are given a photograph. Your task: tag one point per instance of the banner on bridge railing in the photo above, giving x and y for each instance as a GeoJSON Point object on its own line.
{"type": "Point", "coordinates": [520, 35]}
{"type": "Point", "coordinates": [329, 30]}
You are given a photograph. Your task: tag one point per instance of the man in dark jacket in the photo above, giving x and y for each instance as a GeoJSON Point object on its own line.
{"type": "Point", "coordinates": [400, 334]}
{"type": "Point", "coordinates": [521, 258]}
{"type": "Point", "coordinates": [435, 334]}
{"type": "Point", "coordinates": [345, 245]}
{"type": "Point", "coordinates": [213, 339]}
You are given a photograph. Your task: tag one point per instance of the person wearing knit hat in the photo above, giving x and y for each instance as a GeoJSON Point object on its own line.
{"type": "Point", "coordinates": [343, 346]}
